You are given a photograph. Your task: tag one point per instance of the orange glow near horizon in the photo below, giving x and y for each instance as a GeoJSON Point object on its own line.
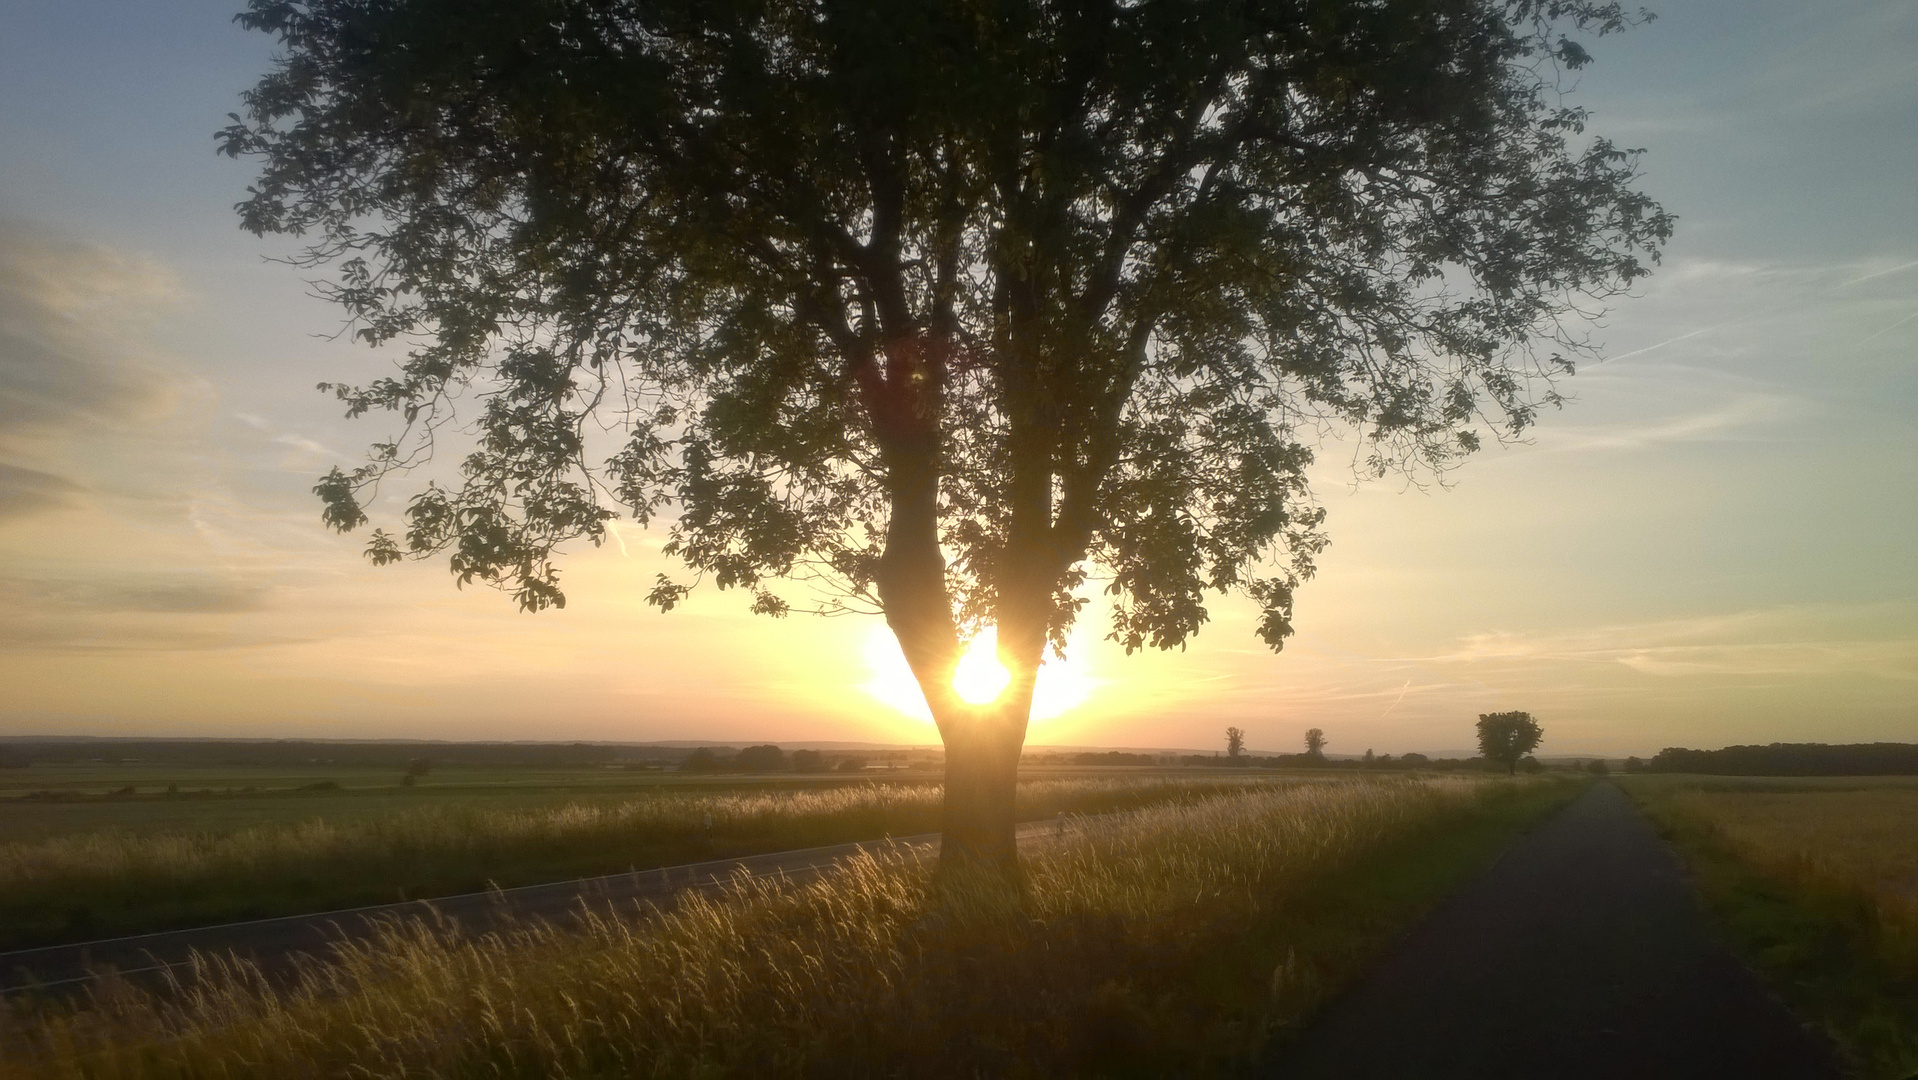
{"type": "Point", "coordinates": [1062, 686]}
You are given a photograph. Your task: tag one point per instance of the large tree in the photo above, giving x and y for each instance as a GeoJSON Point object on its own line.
{"type": "Point", "coordinates": [1504, 738]}
{"type": "Point", "coordinates": [945, 308]}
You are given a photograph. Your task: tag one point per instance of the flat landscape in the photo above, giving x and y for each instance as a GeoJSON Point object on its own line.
{"type": "Point", "coordinates": [1213, 914]}
{"type": "Point", "coordinates": [1200, 921]}
{"type": "Point", "coordinates": [204, 845]}
{"type": "Point", "coordinates": [958, 539]}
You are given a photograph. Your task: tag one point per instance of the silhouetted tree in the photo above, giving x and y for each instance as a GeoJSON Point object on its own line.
{"type": "Point", "coordinates": [853, 764]}
{"type": "Point", "coordinates": [1315, 743]}
{"type": "Point", "coordinates": [1234, 743]}
{"type": "Point", "coordinates": [766, 758]}
{"type": "Point", "coordinates": [1597, 767]}
{"type": "Point", "coordinates": [808, 761]}
{"type": "Point", "coordinates": [702, 760]}
{"type": "Point", "coordinates": [1048, 287]}
{"type": "Point", "coordinates": [1506, 737]}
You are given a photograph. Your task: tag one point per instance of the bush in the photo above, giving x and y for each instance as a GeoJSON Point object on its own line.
{"type": "Point", "coordinates": [854, 764]}
{"type": "Point", "coordinates": [809, 761]}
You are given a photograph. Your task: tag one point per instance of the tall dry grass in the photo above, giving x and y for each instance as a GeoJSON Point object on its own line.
{"type": "Point", "coordinates": [874, 969]}
{"type": "Point", "coordinates": [1817, 882]}
{"type": "Point", "coordinates": [1857, 845]}
{"type": "Point", "coordinates": [123, 882]}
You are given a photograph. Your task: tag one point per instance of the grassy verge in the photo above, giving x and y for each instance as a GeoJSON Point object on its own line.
{"type": "Point", "coordinates": [1174, 941]}
{"type": "Point", "coordinates": [1814, 885]}
{"type": "Point", "coordinates": [103, 883]}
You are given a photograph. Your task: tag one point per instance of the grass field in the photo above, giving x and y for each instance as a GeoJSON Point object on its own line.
{"type": "Point", "coordinates": [148, 862]}
{"type": "Point", "coordinates": [1816, 881]}
{"type": "Point", "coordinates": [1174, 940]}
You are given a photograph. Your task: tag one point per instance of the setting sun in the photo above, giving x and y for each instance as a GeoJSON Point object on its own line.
{"type": "Point", "coordinates": [980, 677]}
{"type": "Point", "coordinates": [1063, 684]}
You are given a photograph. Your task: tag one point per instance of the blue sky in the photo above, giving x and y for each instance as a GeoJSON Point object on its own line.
{"type": "Point", "coordinates": [1712, 544]}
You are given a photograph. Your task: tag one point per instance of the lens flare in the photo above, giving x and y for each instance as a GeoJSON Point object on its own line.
{"type": "Point", "coordinates": [1063, 685]}
{"type": "Point", "coordinates": [980, 677]}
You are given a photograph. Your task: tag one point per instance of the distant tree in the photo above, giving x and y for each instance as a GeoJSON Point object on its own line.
{"type": "Point", "coordinates": [1414, 761]}
{"type": "Point", "coordinates": [766, 758]}
{"type": "Point", "coordinates": [853, 764]}
{"type": "Point", "coordinates": [809, 761]}
{"type": "Point", "coordinates": [1504, 738]}
{"type": "Point", "coordinates": [1369, 758]}
{"type": "Point", "coordinates": [1634, 764]}
{"type": "Point", "coordinates": [1315, 743]}
{"type": "Point", "coordinates": [419, 766]}
{"type": "Point", "coordinates": [1111, 757]}
{"type": "Point", "coordinates": [702, 760]}
{"type": "Point", "coordinates": [1597, 767]}
{"type": "Point", "coordinates": [939, 306]}
{"type": "Point", "coordinates": [1234, 743]}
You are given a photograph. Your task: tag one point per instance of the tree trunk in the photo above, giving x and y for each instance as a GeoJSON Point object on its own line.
{"type": "Point", "coordinates": [982, 776]}
{"type": "Point", "coordinates": [983, 745]}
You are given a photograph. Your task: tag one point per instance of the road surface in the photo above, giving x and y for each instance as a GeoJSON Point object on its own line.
{"type": "Point", "coordinates": [1582, 953]}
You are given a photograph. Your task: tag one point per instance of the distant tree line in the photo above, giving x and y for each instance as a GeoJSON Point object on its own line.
{"type": "Point", "coordinates": [411, 758]}
{"type": "Point", "coordinates": [1792, 759]}
{"type": "Point", "coordinates": [275, 753]}
{"type": "Point", "coordinates": [768, 758]}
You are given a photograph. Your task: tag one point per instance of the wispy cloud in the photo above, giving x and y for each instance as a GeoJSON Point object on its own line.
{"type": "Point", "coordinates": [1740, 417]}
{"type": "Point", "coordinates": [61, 362]}
{"type": "Point", "coordinates": [1799, 641]}
{"type": "Point", "coordinates": [25, 492]}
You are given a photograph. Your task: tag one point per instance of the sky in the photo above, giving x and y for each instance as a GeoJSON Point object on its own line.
{"type": "Point", "coordinates": [1712, 544]}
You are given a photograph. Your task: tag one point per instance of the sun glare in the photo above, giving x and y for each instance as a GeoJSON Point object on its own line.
{"type": "Point", "coordinates": [980, 677]}
{"type": "Point", "coordinates": [1062, 685]}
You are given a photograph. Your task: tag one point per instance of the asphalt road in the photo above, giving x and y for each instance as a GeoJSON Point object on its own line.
{"type": "Point", "coordinates": [277, 944]}
{"type": "Point", "coordinates": [1582, 953]}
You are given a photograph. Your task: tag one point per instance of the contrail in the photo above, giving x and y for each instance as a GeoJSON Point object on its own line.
{"type": "Point", "coordinates": [1396, 700]}
{"type": "Point", "coordinates": [1889, 329]}
{"type": "Point", "coordinates": [1880, 273]}
{"type": "Point", "coordinates": [1660, 345]}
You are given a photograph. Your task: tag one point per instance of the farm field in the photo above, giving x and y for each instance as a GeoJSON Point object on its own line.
{"type": "Point", "coordinates": [1179, 938]}
{"type": "Point", "coordinates": [99, 866]}
{"type": "Point", "coordinates": [1816, 882]}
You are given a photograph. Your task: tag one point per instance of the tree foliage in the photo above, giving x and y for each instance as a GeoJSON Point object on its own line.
{"type": "Point", "coordinates": [1080, 283]}
{"type": "Point", "coordinates": [1790, 759]}
{"type": "Point", "coordinates": [1507, 737]}
{"type": "Point", "coordinates": [1314, 742]}
{"type": "Point", "coordinates": [1234, 743]}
